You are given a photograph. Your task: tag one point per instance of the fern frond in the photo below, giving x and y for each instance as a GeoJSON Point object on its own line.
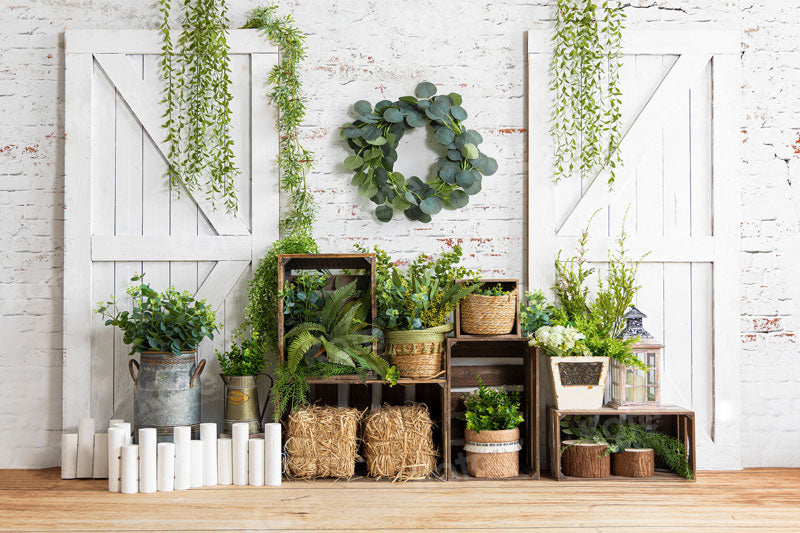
{"type": "Point", "coordinates": [299, 347]}
{"type": "Point", "coordinates": [335, 303]}
{"type": "Point", "coordinates": [337, 354]}
{"type": "Point", "coordinates": [346, 323]}
{"type": "Point", "coordinates": [304, 326]}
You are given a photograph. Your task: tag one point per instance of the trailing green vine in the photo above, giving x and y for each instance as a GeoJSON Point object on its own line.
{"type": "Point", "coordinates": [197, 94]}
{"type": "Point", "coordinates": [586, 126]}
{"type": "Point", "coordinates": [294, 160]}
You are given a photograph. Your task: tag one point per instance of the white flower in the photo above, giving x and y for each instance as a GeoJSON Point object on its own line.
{"type": "Point", "coordinates": [559, 340]}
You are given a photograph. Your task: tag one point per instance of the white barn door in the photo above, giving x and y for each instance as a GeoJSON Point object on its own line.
{"type": "Point", "coordinates": [679, 186]}
{"type": "Point", "coordinates": [122, 218]}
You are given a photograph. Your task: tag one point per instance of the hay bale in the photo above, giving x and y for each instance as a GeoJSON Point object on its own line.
{"type": "Point", "coordinates": [398, 442]}
{"type": "Point", "coordinates": [322, 441]}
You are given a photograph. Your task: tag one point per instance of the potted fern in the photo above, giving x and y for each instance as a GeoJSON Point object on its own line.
{"type": "Point", "coordinates": [414, 308]}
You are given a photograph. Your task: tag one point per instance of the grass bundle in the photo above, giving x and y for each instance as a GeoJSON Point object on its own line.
{"type": "Point", "coordinates": [322, 441]}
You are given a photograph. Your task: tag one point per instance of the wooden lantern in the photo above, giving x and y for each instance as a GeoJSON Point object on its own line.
{"type": "Point", "coordinates": [631, 386]}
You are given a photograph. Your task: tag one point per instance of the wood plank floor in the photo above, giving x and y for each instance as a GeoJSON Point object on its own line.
{"type": "Point", "coordinates": [755, 500]}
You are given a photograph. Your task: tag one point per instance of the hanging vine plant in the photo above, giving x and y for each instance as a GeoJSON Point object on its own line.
{"type": "Point", "coordinates": [374, 139]}
{"type": "Point", "coordinates": [294, 160]}
{"type": "Point", "coordinates": [196, 72]}
{"type": "Point", "coordinates": [587, 112]}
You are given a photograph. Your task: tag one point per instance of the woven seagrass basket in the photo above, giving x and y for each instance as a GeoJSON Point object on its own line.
{"type": "Point", "coordinates": [417, 353]}
{"type": "Point", "coordinates": [488, 315]}
{"type": "Point", "coordinates": [495, 455]}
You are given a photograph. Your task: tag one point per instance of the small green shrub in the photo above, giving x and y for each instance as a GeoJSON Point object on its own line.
{"type": "Point", "coordinates": [245, 359]}
{"type": "Point", "coordinates": [492, 409]}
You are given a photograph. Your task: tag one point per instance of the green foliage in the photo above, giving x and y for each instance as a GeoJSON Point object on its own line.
{"type": "Point", "coordinates": [303, 298]}
{"type": "Point", "coordinates": [599, 320]}
{"type": "Point", "coordinates": [197, 94]}
{"type": "Point", "coordinates": [375, 136]}
{"type": "Point", "coordinates": [425, 295]}
{"type": "Point", "coordinates": [492, 409]}
{"type": "Point", "coordinates": [336, 335]}
{"type": "Point", "coordinates": [497, 290]}
{"type": "Point", "coordinates": [291, 389]}
{"type": "Point", "coordinates": [245, 359]}
{"type": "Point", "coordinates": [261, 312]}
{"type": "Point", "coordinates": [534, 312]}
{"type": "Point", "coordinates": [585, 79]}
{"type": "Point", "coordinates": [294, 160]}
{"type": "Point", "coordinates": [169, 321]}
{"type": "Point", "coordinates": [621, 436]}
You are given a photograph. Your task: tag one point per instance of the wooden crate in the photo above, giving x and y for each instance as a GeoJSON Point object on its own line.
{"type": "Point", "coordinates": [489, 357]}
{"type": "Point", "coordinates": [507, 284]}
{"type": "Point", "coordinates": [672, 420]}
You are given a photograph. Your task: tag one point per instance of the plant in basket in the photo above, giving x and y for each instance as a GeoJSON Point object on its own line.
{"type": "Point", "coordinates": [164, 326]}
{"type": "Point", "coordinates": [414, 308]}
{"type": "Point", "coordinates": [492, 435]}
{"type": "Point", "coordinates": [491, 310]}
{"type": "Point", "coordinates": [240, 366]}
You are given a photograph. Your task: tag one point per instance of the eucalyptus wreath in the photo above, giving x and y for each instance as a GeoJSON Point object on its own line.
{"type": "Point", "coordinates": [375, 136]}
{"type": "Point", "coordinates": [197, 94]}
{"type": "Point", "coordinates": [587, 113]}
{"type": "Point", "coordinates": [294, 160]}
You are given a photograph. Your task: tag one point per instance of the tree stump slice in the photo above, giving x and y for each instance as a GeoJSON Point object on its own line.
{"type": "Point", "coordinates": [585, 460]}
{"type": "Point", "coordinates": [633, 463]}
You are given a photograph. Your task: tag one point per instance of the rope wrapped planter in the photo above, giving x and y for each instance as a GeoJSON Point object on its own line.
{"type": "Point", "coordinates": [417, 353]}
{"type": "Point", "coordinates": [398, 443]}
{"type": "Point", "coordinates": [322, 441]}
{"type": "Point", "coordinates": [488, 315]}
{"type": "Point", "coordinates": [492, 454]}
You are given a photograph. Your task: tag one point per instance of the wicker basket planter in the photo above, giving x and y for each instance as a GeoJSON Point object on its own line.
{"type": "Point", "coordinates": [417, 353]}
{"type": "Point", "coordinates": [492, 454]}
{"type": "Point", "coordinates": [489, 315]}
{"type": "Point", "coordinates": [579, 382]}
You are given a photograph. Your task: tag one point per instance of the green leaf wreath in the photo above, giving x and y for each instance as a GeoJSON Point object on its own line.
{"type": "Point", "coordinates": [374, 138]}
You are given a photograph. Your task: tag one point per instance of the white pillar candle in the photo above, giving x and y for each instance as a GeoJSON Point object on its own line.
{"type": "Point", "coordinates": [166, 466]}
{"type": "Point", "coordinates": [183, 457]}
{"type": "Point", "coordinates": [69, 455]}
{"type": "Point", "coordinates": [116, 439]}
{"type": "Point", "coordinates": [208, 435]}
{"type": "Point", "coordinates": [85, 447]}
{"type": "Point", "coordinates": [255, 461]}
{"type": "Point", "coordinates": [224, 468]}
{"type": "Point", "coordinates": [126, 426]}
{"type": "Point", "coordinates": [100, 459]}
{"type": "Point", "coordinates": [114, 421]}
{"type": "Point", "coordinates": [147, 460]}
{"type": "Point", "coordinates": [129, 469]}
{"type": "Point", "coordinates": [196, 477]}
{"type": "Point", "coordinates": [272, 454]}
{"type": "Point", "coordinates": [241, 434]}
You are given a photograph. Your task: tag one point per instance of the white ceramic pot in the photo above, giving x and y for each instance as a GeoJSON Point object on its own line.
{"type": "Point", "coordinates": [579, 382]}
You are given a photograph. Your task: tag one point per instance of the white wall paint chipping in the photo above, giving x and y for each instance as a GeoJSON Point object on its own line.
{"type": "Point", "coordinates": [372, 50]}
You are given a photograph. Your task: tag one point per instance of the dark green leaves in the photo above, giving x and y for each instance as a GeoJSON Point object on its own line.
{"type": "Point", "coordinates": [353, 162]}
{"type": "Point", "coordinates": [431, 205]}
{"type": "Point", "coordinates": [425, 90]}
{"type": "Point", "coordinates": [444, 136]}
{"type": "Point", "coordinates": [362, 107]}
{"type": "Point", "coordinates": [393, 115]}
{"type": "Point", "coordinates": [384, 213]}
{"type": "Point", "coordinates": [458, 112]}
{"type": "Point", "coordinates": [458, 199]}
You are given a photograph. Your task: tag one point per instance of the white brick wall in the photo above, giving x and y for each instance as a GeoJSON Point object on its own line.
{"type": "Point", "coordinates": [373, 47]}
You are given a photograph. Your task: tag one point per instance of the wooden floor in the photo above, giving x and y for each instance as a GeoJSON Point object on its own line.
{"type": "Point", "coordinates": [755, 500]}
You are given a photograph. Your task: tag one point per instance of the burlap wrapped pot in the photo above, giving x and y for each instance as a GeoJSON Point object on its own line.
{"type": "Point", "coordinates": [488, 315]}
{"type": "Point", "coordinates": [492, 454]}
{"type": "Point", "coordinates": [417, 353]}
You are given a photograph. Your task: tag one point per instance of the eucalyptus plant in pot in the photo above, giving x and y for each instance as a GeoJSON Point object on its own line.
{"type": "Point", "coordinates": [165, 328]}
{"type": "Point", "coordinates": [492, 434]}
{"type": "Point", "coordinates": [241, 365]}
{"type": "Point", "coordinates": [414, 308]}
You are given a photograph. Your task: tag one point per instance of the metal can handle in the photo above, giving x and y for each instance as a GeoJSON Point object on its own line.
{"type": "Point", "coordinates": [197, 372]}
{"type": "Point", "coordinates": [134, 363]}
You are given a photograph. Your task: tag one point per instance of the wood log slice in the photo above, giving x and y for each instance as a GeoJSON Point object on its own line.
{"type": "Point", "coordinates": [587, 460]}
{"type": "Point", "coordinates": [633, 463]}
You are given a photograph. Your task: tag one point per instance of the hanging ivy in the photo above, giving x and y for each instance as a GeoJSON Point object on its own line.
{"type": "Point", "coordinates": [294, 160]}
{"type": "Point", "coordinates": [197, 94]}
{"type": "Point", "coordinates": [587, 113]}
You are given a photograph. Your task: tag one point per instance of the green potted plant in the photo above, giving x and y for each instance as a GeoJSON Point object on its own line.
{"type": "Point", "coordinates": [490, 310]}
{"type": "Point", "coordinates": [492, 434]}
{"type": "Point", "coordinates": [165, 328]}
{"type": "Point", "coordinates": [414, 308]}
{"type": "Point", "coordinates": [241, 365]}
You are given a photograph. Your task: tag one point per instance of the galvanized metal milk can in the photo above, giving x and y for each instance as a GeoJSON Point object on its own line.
{"type": "Point", "coordinates": [166, 392]}
{"type": "Point", "coordinates": [241, 402]}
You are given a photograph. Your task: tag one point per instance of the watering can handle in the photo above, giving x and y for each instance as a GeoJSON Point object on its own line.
{"type": "Point", "coordinates": [266, 402]}
{"type": "Point", "coordinates": [134, 363]}
{"type": "Point", "coordinates": [197, 372]}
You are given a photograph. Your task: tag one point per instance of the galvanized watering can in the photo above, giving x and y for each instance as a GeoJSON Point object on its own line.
{"type": "Point", "coordinates": [241, 402]}
{"type": "Point", "coordinates": [166, 392]}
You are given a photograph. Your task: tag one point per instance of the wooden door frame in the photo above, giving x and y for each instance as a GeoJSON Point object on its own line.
{"type": "Point", "coordinates": [239, 246]}
{"type": "Point", "coordinates": [696, 46]}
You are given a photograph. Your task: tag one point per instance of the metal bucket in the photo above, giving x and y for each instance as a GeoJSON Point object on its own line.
{"type": "Point", "coordinates": [166, 392]}
{"type": "Point", "coordinates": [241, 402]}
